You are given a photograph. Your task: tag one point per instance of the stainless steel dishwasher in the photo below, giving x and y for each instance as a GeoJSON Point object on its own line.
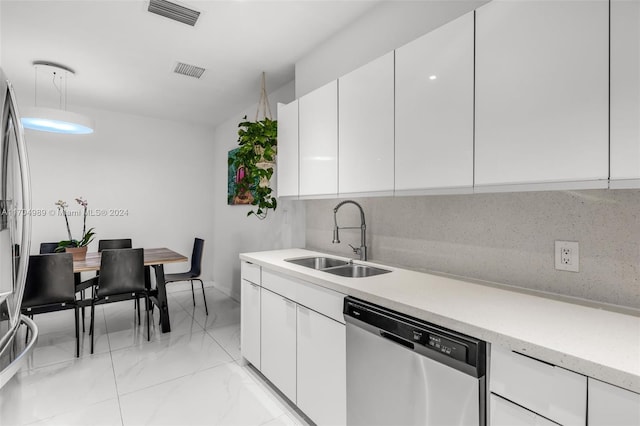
{"type": "Point", "coordinates": [404, 371]}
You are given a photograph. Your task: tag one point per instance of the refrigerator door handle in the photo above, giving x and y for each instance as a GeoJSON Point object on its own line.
{"type": "Point", "coordinates": [25, 243]}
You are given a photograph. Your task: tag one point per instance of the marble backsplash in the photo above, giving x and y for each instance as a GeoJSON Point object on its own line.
{"type": "Point", "coordinates": [506, 238]}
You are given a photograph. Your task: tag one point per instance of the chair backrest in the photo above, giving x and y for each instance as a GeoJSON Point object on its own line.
{"type": "Point", "coordinates": [48, 248]}
{"type": "Point", "coordinates": [49, 280]}
{"type": "Point", "coordinates": [121, 271]}
{"type": "Point", "coordinates": [196, 256]}
{"type": "Point", "coordinates": [121, 243]}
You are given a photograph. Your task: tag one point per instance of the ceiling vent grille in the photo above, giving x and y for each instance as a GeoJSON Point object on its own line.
{"type": "Point", "coordinates": [189, 70]}
{"type": "Point", "coordinates": [174, 11]}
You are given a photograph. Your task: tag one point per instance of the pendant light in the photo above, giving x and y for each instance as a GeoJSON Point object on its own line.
{"type": "Point", "coordinates": [56, 120]}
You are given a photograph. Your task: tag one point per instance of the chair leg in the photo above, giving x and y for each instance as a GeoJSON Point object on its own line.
{"type": "Point", "coordinates": [77, 333]}
{"type": "Point", "coordinates": [82, 298]}
{"type": "Point", "coordinates": [91, 326]}
{"type": "Point", "coordinates": [146, 304]}
{"type": "Point", "coordinates": [204, 296]}
{"type": "Point", "coordinates": [137, 307]}
{"type": "Point", "coordinates": [193, 295]}
{"type": "Point", "coordinates": [90, 323]}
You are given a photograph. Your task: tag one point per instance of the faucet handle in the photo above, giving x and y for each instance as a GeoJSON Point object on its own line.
{"type": "Point", "coordinates": [356, 250]}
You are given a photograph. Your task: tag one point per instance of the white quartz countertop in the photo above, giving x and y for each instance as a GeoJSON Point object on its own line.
{"type": "Point", "coordinates": [595, 342]}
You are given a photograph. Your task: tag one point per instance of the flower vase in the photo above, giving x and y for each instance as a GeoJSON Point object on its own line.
{"type": "Point", "coordinates": [78, 253]}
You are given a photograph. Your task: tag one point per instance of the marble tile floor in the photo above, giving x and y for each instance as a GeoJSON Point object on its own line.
{"type": "Point", "coordinates": [191, 376]}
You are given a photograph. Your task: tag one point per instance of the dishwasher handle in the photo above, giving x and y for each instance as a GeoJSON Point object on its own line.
{"type": "Point", "coordinates": [396, 339]}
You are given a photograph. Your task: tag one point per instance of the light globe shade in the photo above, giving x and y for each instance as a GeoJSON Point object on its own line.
{"type": "Point", "coordinates": [56, 121]}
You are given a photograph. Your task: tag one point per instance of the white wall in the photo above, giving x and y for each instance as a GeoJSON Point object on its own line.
{"type": "Point", "coordinates": [236, 233]}
{"type": "Point", "coordinates": [160, 172]}
{"type": "Point", "coordinates": [383, 29]}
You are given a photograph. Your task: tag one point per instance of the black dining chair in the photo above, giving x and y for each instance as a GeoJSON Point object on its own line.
{"type": "Point", "coordinates": [117, 243]}
{"type": "Point", "coordinates": [193, 274]}
{"type": "Point", "coordinates": [46, 248]}
{"type": "Point", "coordinates": [122, 277]}
{"type": "Point", "coordinates": [50, 287]}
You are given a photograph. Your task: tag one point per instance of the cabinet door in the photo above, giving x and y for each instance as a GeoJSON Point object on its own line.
{"type": "Point", "coordinates": [542, 93]}
{"type": "Point", "coordinates": [319, 141]}
{"type": "Point", "coordinates": [287, 157]}
{"type": "Point", "coordinates": [278, 349]}
{"type": "Point", "coordinates": [625, 93]}
{"type": "Point", "coordinates": [434, 109]}
{"type": "Point", "coordinates": [250, 322]}
{"type": "Point", "coordinates": [365, 128]}
{"type": "Point", "coordinates": [506, 413]}
{"type": "Point", "coordinates": [321, 369]}
{"type": "Point", "coordinates": [612, 406]}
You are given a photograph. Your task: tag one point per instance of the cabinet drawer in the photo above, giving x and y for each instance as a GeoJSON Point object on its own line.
{"type": "Point", "coordinates": [322, 300]}
{"type": "Point", "coordinates": [553, 392]}
{"type": "Point", "coordinates": [250, 272]}
{"type": "Point", "coordinates": [506, 413]}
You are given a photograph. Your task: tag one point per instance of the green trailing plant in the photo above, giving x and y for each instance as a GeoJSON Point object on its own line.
{"type": "Point", "coordinates": [256, 156]}
{"type": "Point", "coordinates": [87, 235]}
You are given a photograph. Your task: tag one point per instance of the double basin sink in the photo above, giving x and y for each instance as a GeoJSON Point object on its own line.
{"type": "Point", "coordinates": [338, 267]}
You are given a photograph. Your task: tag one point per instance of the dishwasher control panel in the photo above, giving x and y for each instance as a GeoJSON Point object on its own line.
{"type": "Point", "coordinates": [414, 334]}
{"type": "Point", "coordinates": [448, 347]}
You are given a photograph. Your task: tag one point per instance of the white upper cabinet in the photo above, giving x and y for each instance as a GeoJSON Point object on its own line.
{"type": "Point", "coordinates": [542, 93]}
{"type": "Point", "coordinates": [434, 109]}
{"type": "Point", "coordinates": [287, 170]}
{"type": "Point", "coordinates": [625, 93]}
{"type": "Point", "coordinates": [365, 128]}
{"type": "Point", "coordinates": [612, 406]}
{"type": "Point", "coordinates": [318, 131]}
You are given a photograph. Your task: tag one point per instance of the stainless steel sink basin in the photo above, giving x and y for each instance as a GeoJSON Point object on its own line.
{"type": "Point", "coordinates": [318, 262]}
{"type": "Point", "coordinates": [356, 271]}
{"type": "Point", "coordinates": [339, 267]}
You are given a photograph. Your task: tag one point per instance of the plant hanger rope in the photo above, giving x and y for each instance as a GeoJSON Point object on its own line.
{"type": "Point", "coordinates": [264, 100]}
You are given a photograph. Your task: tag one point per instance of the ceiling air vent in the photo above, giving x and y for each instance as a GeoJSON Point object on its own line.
{"type": "Point", "coordinates": [174, 11]}
{"type": "Point", "coordinates": [189, 70]}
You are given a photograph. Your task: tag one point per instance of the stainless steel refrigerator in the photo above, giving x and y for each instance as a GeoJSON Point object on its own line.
{"type": "Point", "coordinates": [15, 237]}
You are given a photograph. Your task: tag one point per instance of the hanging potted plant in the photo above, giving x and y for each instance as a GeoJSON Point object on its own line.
{"type": "Point", "coordinates": [255, 159]}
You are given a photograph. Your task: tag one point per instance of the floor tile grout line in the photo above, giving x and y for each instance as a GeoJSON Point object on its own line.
{"type": "Point", "coordinates": [115, 383]}
{"type": "Point", "coordinates": [220, 344]}
{"type": "Point", "coordinates": [175, 378]}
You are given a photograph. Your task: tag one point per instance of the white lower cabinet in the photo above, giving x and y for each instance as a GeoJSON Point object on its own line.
{"type": "Point", "coordinates": [321, 368]}
{"type": "Point", "coordinates": [506, 413]}
{"type": "Point", "coordinates": [250, 322]}
{"type": "Point", "coordinates": [293, 332]}
{"type": "Point", "coordinates": [612, 406]}
{"type": "Point", "coordinates": [278, 345]}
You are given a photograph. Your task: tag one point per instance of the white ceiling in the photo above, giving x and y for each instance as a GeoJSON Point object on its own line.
{"type": "Point", "coordinates": [124, 56]}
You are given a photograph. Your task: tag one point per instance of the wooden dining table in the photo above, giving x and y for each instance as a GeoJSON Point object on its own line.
{"type": "Point", "coordinates": [153, 257]}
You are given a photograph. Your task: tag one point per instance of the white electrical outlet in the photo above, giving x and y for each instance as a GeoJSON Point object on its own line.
{"type": "Point", "coordinates": [567, 256]}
